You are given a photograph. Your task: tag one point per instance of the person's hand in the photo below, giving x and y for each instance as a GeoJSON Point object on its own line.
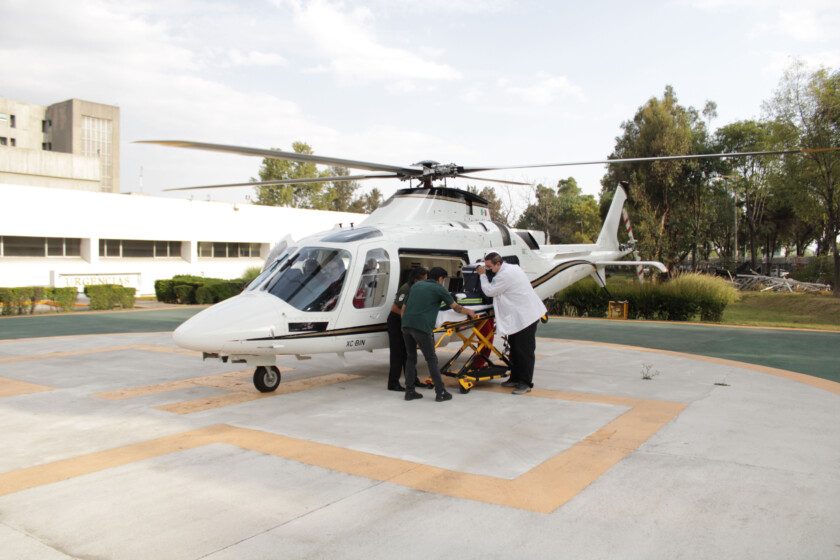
{"type": "Point", "coordinates": [470, 313]}
{"type": "Point", "coordinates": [481, 270]}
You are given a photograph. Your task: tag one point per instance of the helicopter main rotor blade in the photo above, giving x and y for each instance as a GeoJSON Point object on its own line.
{"type": "Point", "coordinates": [288, 182]}
{"type": "Point", "coordinates": [504, 182]}
{"type": "Point", "coordinates": [656, 158]}
{"type": "Point", "coordinates": [289, 156]}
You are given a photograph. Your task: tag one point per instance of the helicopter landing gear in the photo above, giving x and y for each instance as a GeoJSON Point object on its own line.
{"type": "Point", "coordinates": [266, 378]}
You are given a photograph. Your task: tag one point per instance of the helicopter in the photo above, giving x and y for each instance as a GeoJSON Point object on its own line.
{"type": "Point", "coordinates": [331, 292]}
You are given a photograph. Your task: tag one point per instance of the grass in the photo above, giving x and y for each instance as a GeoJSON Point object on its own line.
{"type": "Point", "coordinates": [764, 309]}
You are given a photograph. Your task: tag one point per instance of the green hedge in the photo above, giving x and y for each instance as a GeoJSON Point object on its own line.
{"type": "Point", "coordinates": [680, 299]}
{"type": "Point", "coordinates": [62, 299]}
{"type": "Point", "coordinates": [109, 296]}
{"type": "Point", "coordinates": [22, 300]}
{"type": "Point", "coordinates": [188, 289]}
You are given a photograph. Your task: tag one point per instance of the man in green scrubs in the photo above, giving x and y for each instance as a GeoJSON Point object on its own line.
{"type": "Point", "coordinates": [418, 322]}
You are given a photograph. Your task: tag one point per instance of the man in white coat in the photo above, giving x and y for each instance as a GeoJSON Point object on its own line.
{"type": "Point", "coordinates": [518, 309]}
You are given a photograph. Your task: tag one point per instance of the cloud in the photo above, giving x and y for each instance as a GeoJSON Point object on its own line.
{"type": "Point", "coordinates": [544, 89]}
{"type": "Point", "coordinates": [255, 58]}
{"type": "Point", "coordinates": [347, 39]}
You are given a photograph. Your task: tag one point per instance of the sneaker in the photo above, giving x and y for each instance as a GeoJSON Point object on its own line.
{"type": "Point", "coordinates": [411, 395]}
{"type": "Point", "coordinates": [445, 396]}
{"type": "Point", "coordinates": [396, 387]}
{"type": "Point", "coordinates": [521, 389]}
{"type": "Point", "coordinates": [509, 383]}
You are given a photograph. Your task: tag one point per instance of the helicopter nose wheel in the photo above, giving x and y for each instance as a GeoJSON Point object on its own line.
{"type": "Point", "coordinates": [266, 379]}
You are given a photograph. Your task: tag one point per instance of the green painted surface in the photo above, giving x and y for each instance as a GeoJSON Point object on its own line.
{"type": "Point", "coordinates": [95, 323]}
{"type": "Point", "coordinates": [813, 353]}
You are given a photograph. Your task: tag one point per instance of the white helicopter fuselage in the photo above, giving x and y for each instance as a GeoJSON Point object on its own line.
{"type": "Point", "coordinates": [332, 292]}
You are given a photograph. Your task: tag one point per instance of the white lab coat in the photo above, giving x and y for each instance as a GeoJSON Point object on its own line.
{"type": "Point", "coordinates": [515, 302]}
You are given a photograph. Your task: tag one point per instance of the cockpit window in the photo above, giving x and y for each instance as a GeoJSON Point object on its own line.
{"type": "Point", "coordinates": [348, 235]}
{"type": "Point", "coordinates": [270, 269]}
{"type": "Point", "coordinates": [311, 279]}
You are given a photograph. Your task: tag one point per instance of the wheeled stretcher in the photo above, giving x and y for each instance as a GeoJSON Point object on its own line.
{"type": "Point", "coordinates": [484, 361]}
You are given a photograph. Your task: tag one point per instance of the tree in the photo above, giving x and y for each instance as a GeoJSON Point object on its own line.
{"type": "Point", "coordinates": [565, 216]}
{"type": "Point", "coordinates": [367, 203]}
{"type": "Point", "coordinates": [665, 196]}
{"type": "Point", "coordinates": [811, 105]}
{"type": "Point", "coordinates": [749, 175]}
{"type": "Point", "coordinates": [299, 196]}
{"type": "Point", "coordinates": [339, 195]}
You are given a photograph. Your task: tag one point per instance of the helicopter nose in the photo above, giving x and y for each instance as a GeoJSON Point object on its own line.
{"type": "Point", "coordinates": [225, 326]}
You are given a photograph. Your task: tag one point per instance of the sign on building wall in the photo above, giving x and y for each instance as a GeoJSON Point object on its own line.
{"type": "Point", "coordinates": [62, 280]}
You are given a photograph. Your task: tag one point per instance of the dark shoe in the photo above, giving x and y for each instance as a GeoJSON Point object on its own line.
{"type": "Point", "coordinates": [509, 383]}
{"type": "Point", "coordinates": [521, 389]}
{"type": "Point", "coordinates": [411, 395]}
{"type": "Point", "coordinates": [396, 387]}
{"type": "Point", "coordinates": [421, 384]}
{"type": "Point", "coordinates": [445, 396]}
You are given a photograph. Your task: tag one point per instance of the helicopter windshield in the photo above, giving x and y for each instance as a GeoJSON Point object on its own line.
{"type": "Point", "coordinates": [270, 269]}
{"type": "Point", "coordinates": [310, 280]}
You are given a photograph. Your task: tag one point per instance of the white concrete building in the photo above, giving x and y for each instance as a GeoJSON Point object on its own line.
{"type": "Point", "coordinates": [60, 237]}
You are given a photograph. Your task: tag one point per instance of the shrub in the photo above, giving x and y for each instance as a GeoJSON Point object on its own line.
{"type": "Point", "coordinates": [165, 291]}
{"type": "Point", "coordinates": [226, 289]}
{"type": "Point", "coordinates": [680, 299]}
{"type": "Point", "coordinates": [63, 299]}
{"type": "Point", "coordinates": [6, 301]}
{"type": "Point", "coordinates": [203, 295]}
{"type": "Point", "coordinates": [21, 299]}
{"type": "Point", "coordinates": [249, 274]}
{"type": "Point", "coordinates": [185, 293]}
{"type": "Point", "coordinates": [109, 296]}
{"type": "Point", "coordinates": [818, 269]}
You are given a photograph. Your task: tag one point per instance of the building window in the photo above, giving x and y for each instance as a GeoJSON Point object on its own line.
{"type": "Point", "coordinates": [134, 248]}
{"type": "Point", "coordinates": [13, 141]}
{"type": "Point", "coordinates": [43, 126]}
{"type": "Point", "coordinates": [96, 141]}
{"type": "Point", "coordinates": [4, 141]}
{"type": "Point", "coordinates": [223, 250]}
{"type": "Point", "coordinates": [12, 246]}
{"type": "Point", "coordinates": [4, 118]}
{"type": "Point", "coordinates": [167, 249]}
{"type": "Point", "coordinates": [12, 121]}
{"type": "Point", "coordinates": [46, 146]}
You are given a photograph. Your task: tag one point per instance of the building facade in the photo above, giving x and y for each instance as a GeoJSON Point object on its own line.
{"type": "Point", "coordinates": [73, 144]}
{"type": "Point", "coordinates": [61, 237]}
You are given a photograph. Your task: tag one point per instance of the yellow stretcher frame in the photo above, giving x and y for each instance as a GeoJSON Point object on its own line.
{"type": "Point", "coordinates": [469, 332]}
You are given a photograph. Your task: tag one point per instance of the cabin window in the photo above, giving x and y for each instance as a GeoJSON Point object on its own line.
{"type": "Point", "coordinates": [312, 279]}
{"type": "Point", "coordinates": [373, 286]}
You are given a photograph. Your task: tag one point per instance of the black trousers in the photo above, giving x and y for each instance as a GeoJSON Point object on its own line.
{"type": "Point", "coordinates": [397, 345]}
{"type": "Point", "coordinates": [522, 347]}
{"type": "Point", "coordinates": [426, 342]}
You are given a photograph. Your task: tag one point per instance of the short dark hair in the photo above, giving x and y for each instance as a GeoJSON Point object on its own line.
{"type": "Point", "coordinates": [417, 273]}
{"type": "Point", "coordinates": [437, 273]}
{"type": "Point", "coordinates": [494, 258]}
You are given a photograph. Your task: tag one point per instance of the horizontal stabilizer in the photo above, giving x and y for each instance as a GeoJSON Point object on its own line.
{"type": "Point", "coordinates": [657, 265]}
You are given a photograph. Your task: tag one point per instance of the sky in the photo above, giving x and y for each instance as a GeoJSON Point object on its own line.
{"type": "Point", "coordinates": [474, 82]}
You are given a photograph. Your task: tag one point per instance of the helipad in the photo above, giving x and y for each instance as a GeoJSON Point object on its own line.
{"type": "Point", "coordinates": [123, 446]}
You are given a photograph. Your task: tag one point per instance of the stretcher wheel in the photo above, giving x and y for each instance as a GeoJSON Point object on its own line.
{"type": "Point", "coordinates": [464, 386]}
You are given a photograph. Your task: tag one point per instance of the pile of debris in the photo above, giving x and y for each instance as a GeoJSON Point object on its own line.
{"type": "Point", "coordinates": [758, 282]}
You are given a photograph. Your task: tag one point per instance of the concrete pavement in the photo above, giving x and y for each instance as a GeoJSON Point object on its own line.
{"type": "Point", "coordinates": [123, 446]}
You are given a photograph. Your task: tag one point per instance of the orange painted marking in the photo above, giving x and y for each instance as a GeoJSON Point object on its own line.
{"type": "Point", "coordinates": [251, 394]}
{"type": "Point", "coordinates": [542, 489]}
{"type": "Point", "coordinates": [13, 388]}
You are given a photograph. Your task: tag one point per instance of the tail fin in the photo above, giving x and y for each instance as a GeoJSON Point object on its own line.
{"type": "Point", "coordinates": [608, 238]}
